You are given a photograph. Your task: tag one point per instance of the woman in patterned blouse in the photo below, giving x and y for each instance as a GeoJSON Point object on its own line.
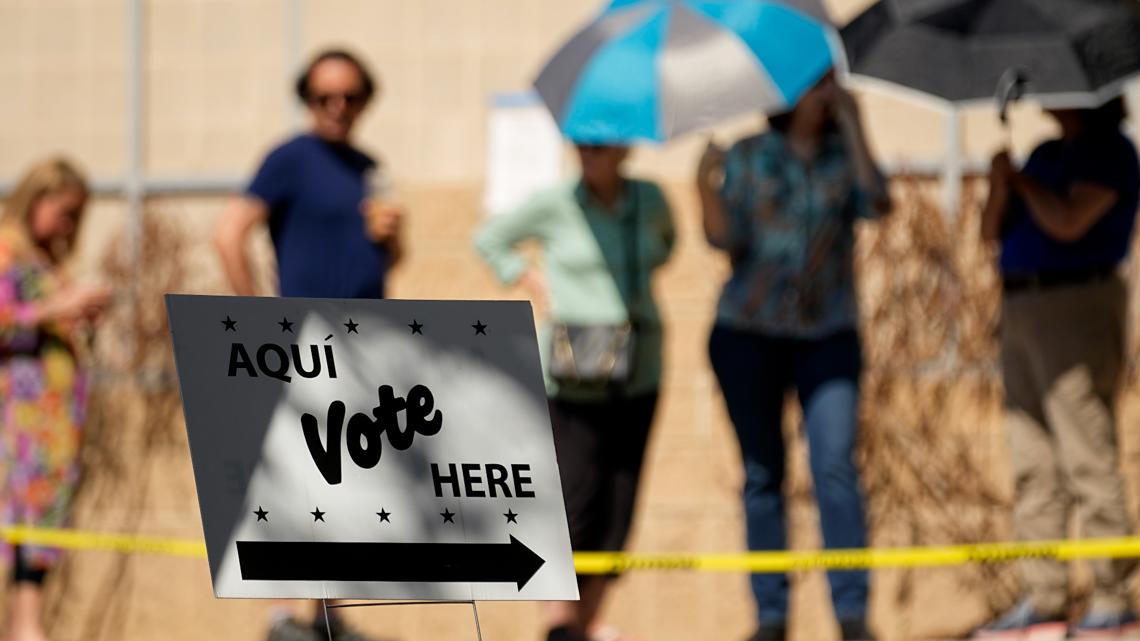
{"type": "Point", "coordinates": [41, 385]}
{"type": "Point", "coordinates": [787, 317]}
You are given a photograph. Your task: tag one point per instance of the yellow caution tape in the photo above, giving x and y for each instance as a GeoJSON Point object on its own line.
{"type": "Point", "coordinates": [866, 558]}
{"type": "Point", "coordinates": [80, 540]}
{"type": "Point", "coordinates": [618, 562]}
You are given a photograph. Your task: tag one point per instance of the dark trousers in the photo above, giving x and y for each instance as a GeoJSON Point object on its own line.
{"type": "Point", "coordinates": [755, 371]}
{"type": "Point", "coordinates": [600, 447]}
{"type": "Point", "coordinates": [22, 571]}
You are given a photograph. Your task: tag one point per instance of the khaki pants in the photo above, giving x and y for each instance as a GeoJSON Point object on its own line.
{"type": "Point", "coordinates": [1062, 354]}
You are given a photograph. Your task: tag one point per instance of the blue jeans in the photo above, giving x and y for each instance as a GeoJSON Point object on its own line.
{"type": "Point", "coordinates": [755, 371]}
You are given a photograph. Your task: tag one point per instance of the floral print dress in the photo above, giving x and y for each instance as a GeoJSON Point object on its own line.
{"type": "Point", "coordinates": [42, 400]}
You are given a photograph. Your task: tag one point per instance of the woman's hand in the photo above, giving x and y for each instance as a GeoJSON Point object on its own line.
{"type": "Point", "coordinates": [534, 282]}
{"type": "Point", "coordinates": [1001, 170]}
{"type": "Point", "coordinates": [75, 303]}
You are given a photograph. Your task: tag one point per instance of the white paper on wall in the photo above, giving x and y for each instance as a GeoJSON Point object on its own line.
{"type": "Point", "coordinates": [524, 151]}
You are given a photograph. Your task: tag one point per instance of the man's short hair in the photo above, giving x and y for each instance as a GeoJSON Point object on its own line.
{"type": "Point", "coordinates": [367, 83]}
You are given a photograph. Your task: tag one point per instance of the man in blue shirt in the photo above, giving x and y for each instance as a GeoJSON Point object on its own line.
{"type": "Point", "coordinates": [1064, 224]}
{"type": "Point", "coordinates": [334, 235]}
{"type": "Point", "coordinates": [333, 238]}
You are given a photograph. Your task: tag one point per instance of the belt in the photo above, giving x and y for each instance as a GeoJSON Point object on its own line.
{"type": "Point", "coordinates": [1049, 280]}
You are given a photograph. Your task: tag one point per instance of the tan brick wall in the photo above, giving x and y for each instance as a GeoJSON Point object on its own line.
{"type": "Point", "coordinates": [62, 82]}
{"type": "Point", "coordinates": [218, 77]}
{"type": "Point", "coordinates": [217, 74]}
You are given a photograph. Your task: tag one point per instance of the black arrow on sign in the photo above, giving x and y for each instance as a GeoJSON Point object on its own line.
{"type": "Point", "coordinates": [403, 562]}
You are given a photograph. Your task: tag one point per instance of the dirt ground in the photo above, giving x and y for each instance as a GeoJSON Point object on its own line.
{"type": "Point", "coordinates": [933, 451]}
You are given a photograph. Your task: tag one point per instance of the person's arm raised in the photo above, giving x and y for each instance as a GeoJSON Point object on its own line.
{"type": "Point", "coordinates": [230, 235]}
{"type": "Point", "coordinates": [997, 202]}
{"type": "Point", "coordinates": [1066, 217]}
{"type": "Point", "coordinates": [867, 173]}
{"type": "Point", "coordinates": [710, 171]}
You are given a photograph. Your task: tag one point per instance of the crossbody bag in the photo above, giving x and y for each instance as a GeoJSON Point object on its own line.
{"type": "Point", "coordinates": [602, 355]}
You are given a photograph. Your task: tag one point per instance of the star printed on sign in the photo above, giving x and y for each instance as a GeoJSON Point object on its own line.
{"type": "Point", "coordinates": [318, 515]}
{"type": "Point", "coordinates": [417, 327]}
{"type": "Point", "coordinates": [262, 515]}
{"type": "Point", "coordinates": [352, 327]}
{"type": "Point", "coordinates": [230, 324]}
{"type": "Point", "coordinates": [286, 325]}
{"type": "Point", "coordinates": [512, 517]}
{"type": "Point", "coordinates": [448, 515]}
{"type": "Point", "coordinates": [384, 514]}
{"type": "Point", "coordinates": [480, 328]}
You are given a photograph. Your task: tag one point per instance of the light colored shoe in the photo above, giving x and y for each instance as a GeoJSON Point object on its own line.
{"type": "Point", "coordinates": [1112, 626]}
{"type": "Point", "coordinates": [1023, 623]}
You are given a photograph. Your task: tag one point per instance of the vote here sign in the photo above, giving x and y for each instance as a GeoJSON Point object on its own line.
{"type": "Point", "coordinates": [372, 449]}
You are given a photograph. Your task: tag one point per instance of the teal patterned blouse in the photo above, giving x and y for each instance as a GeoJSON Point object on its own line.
{"type": "Point", "coordinates": [790, 238]}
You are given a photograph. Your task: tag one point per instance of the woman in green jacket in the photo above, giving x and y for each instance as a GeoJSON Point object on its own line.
{"type": "Point", "coordinates": [602, 236]}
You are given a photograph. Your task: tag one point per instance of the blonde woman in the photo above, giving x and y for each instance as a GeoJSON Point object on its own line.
{"type": "Point", "coordinates": [41, 385]}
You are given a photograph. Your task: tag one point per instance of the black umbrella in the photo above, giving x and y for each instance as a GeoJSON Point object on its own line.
{"type": "Point", "coordinates": [1071, 53]}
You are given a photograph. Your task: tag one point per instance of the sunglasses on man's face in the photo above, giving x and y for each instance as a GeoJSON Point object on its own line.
{"type": "Point", "coordinates": [326, 100]}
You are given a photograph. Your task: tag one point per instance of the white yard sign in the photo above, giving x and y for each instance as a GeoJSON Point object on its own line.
{"type": "Point", "coordinates": [372, 449]}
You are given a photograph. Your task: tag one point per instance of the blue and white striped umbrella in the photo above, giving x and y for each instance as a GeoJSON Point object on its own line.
{"type": "Point", "coordinates": [655, 69]}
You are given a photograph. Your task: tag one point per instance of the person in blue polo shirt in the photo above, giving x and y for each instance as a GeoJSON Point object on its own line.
{"type": "Point", "coordinates": [333, 238]}
{"type": "Point", "coordinates": [334, 235]}
{"type": "Point", "coordinates": [1064, 224]}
